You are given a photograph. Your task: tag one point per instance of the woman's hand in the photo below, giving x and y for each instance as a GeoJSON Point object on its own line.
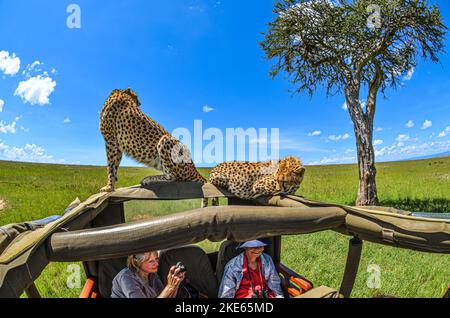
{"type": "Point", "coordinates": [174, 278]}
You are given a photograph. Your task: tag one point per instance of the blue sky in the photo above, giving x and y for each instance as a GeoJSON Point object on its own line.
{"type": "Point", "coordinates": [181, 56]}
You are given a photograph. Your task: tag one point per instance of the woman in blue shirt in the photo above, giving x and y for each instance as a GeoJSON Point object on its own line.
{"type": "Point", "coordinates": [251, 274]}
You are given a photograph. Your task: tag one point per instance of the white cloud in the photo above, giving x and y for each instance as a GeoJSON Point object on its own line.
{"type": "Point", "coordinates": [345, 106]}
{"type": "Point", "coordinates": [11, 128]}
{"type": "Point", "coordinates": [315, 133]}
{"type": "Point", "coordinates": [402, 138]}
{"type": "Point", "coordinates": [38, 67]}
{"type": "Point", "coordinates": [409, 124]}
{"type": "Point", "coordinates": [333, 160]}
{"type": "Point", "coordinates": [36, 90]}
{"type": "Point", "coordinates": [207, 109]}
{"type": "Point", "coordinates": [8, 128]}
{"type": "Point", "coordinates": [347, 151]}
{"type": "Point", "coordinates": [445, 132]}
{"type": "Point", "coordinates": [399, 150]}
{"type": "Point", "coordinates": [339, 137]}
{"type": "Point", "coordinates": [32, 68]}
{"type": "Point", "coordinates": [427, 124]}
{"type": "Point", "coordinates": [9, 64]}
{"type": "Point", "coordinates": [29, 153]}
{"type": "Point", "coordinates": [2, 103]}
{"type": "Point", "coordinates": [378, 142]}
{"type": "Point", "coordinates": [34, 64]}
{"type": "Point", "coordinates": [409, 75]}
{"type": "Point", "coordinates": [378, 129]}
{"type": "Point", "coordinates": [2, 147]}
{"type": "Point", "coordinates": [67, 120]}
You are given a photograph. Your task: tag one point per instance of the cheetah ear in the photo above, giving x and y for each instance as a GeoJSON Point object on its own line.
{"type": "Point", "coordinates": [129, 90]}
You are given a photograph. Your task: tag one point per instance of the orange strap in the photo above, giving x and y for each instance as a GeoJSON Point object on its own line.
{"type": "Point", "coordinates": [88, 289]}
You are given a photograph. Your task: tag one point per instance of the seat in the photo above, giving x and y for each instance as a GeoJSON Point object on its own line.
{"type": "Point", "coordinates": [107, 270]}
{"type": "Point", "coordinates": [199, 274]}
{"type": "Point", "coordinates": [227, 251]}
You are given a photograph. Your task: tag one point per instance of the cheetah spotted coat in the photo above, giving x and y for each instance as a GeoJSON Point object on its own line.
{"type": "Point", "coordinates": [250, 180]}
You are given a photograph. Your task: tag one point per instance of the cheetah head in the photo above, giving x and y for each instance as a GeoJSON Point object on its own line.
{"type": "Point", "coordinates": [289, 175]}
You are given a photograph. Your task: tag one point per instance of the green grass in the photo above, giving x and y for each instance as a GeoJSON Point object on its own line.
{"type": "Point", "coordinates": [34, 191]}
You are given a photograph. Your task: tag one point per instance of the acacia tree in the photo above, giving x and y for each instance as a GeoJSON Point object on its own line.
{"type": "Point", "coordinates": [353, 47]}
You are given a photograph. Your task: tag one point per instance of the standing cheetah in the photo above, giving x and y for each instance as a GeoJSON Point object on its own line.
{"type": "Point", "coordinates": [250, 180]}
{"type": "Point", "coordinates": [126, 129]}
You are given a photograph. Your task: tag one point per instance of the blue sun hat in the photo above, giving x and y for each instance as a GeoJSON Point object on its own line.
{"type": "Point", "coordinates": [253, 243]}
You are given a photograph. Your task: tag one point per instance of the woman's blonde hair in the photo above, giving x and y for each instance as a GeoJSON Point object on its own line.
{"type": "Point", "coordinates": [134, 262]}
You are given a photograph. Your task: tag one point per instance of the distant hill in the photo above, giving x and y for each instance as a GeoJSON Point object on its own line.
{"type": "Point", "coordinates": [438, 155]}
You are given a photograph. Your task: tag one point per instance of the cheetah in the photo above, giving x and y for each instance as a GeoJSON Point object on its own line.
{"type": "Point", "coordinates": [126, 129]}
{"type": "Point", "coordinates": [250, 180]}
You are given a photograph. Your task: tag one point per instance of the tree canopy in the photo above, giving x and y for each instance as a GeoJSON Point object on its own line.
{"type": "Point", "coordinates": [332, 43]}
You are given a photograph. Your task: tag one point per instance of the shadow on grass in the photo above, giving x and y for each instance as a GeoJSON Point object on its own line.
{"type": "Point", "coordinates": [435, 205]}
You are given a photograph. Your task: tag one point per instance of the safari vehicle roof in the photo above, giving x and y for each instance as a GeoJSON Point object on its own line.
{"type": "Point", "coordinates": [79, 235]}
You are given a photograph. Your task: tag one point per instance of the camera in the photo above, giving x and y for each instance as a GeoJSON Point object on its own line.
{"type": "Point", "coordinates": [264, 293]}
{"type": "Point", "coordinates": [181, 266]}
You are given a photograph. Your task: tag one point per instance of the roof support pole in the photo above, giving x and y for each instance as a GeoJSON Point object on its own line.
{"type": "Point", "coordinates": [351, 268]}
{"type": "Point", "coordinates": [32, 291]}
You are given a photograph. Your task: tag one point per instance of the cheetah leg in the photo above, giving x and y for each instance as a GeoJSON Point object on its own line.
{"type": "Point", "coordinates": [113, 156]}
{"type": "Point", "coordinates": [264, 187]}
{"type": "Point", "coordinates": [117, 163]}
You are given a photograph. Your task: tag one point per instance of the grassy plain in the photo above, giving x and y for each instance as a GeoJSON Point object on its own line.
{"type": "Point", "coordinates": [34, 191]}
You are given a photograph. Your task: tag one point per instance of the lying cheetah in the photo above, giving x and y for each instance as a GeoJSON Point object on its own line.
{"type": "Point", "coordinates": [250, 180]}
{"type": "Point", "coordinates": [126, 129]}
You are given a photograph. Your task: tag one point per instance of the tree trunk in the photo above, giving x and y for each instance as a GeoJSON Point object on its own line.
{"type": "Point", "coordinates": [363, 126]}
{"type": "Point", "coordinates": [367, 191]}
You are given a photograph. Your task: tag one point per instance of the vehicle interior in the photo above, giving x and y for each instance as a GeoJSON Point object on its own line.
{"type": "Point", "coordinates": [204, 271]}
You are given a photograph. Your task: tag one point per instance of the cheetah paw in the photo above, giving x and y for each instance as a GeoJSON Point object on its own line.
{"type": "Point", "coordinates": [108, 188]}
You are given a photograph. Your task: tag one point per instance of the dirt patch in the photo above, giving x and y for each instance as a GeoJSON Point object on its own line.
{"type": "Point", "coordinates": [2, 204]}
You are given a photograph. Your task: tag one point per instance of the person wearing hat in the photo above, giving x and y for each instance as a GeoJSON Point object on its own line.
{"type": "Point", "coordinates": [251, 274]}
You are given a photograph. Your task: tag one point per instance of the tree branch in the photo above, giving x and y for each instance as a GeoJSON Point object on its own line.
{"type": "Point", "coordinates": [374, 86]}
